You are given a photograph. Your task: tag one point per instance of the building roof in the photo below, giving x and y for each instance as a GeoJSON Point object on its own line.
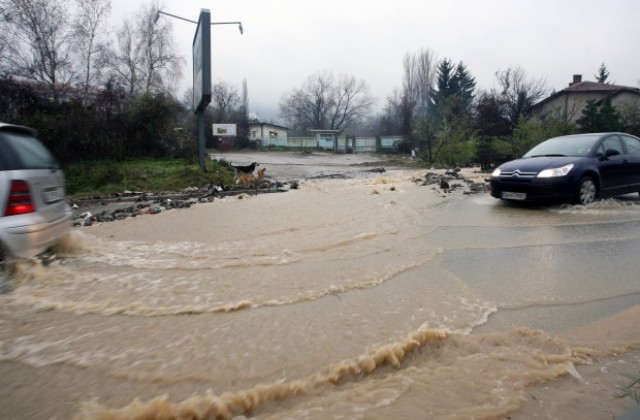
{"type": "Point", "coordinates": [262, 124]}
{"type": "Point", "coordinates": [597, 87]}
{"type": "Point", "coordinates": [580, 87]}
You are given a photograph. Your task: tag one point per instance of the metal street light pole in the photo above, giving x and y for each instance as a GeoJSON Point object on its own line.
{"type": "Point", "coordinates": [201, 70]}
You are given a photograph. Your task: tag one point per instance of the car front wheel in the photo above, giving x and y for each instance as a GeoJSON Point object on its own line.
{"type": "Point", "coordinates": [587, 191]}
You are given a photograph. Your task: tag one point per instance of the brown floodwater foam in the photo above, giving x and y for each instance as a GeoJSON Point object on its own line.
{"type": "Point", "coordinates": [37, 278]}
{"type": "Point", "coordinates": [159, 278]}
{"type": "Point", "coordinates": [444, 369]}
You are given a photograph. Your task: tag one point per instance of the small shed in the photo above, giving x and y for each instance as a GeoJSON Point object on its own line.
{"type": "Point", "coordinates": [268, 134]}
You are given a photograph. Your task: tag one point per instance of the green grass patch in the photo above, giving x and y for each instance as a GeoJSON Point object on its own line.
{"type": "Point", "coordinates": [87, 178]}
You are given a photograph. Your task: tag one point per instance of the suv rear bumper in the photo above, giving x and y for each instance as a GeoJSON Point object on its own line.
{"type": "Point", "coordinates": [30, 240]}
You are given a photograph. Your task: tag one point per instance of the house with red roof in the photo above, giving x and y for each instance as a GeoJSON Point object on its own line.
{"type": "Point", "coordinates": [568, 103]}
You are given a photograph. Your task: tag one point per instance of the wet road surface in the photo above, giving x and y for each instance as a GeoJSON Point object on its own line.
{"type": "Point", "coordinates": [372, 297]}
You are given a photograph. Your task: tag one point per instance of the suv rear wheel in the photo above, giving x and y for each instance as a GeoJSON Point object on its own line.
{"type": "Point", "coordinates": [6, 267]}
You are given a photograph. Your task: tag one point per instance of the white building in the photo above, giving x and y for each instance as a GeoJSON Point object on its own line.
{"type": "Point", "coordinates": [268, 134]}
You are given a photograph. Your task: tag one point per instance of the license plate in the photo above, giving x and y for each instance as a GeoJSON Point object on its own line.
{"type": "Point", "coordinates": [52, 195]}
{"type": "Point", "coordinates": [508, 195]}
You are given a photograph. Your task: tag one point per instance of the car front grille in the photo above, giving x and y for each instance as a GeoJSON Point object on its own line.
{"type": "Point", "coordinates": [518, 174]}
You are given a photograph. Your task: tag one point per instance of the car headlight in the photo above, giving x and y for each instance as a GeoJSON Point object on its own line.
{"type": "Point", "coordinates": [496, 172]}
{"type": "Point", "coordinates": [556, 172]}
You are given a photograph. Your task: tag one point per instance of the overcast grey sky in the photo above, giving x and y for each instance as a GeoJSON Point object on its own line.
{"type": "Point", "coordinates": [285, 41]}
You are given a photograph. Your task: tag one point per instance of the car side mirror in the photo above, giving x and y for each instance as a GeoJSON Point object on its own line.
{"type": "Point", "coordinates": [611, 152]}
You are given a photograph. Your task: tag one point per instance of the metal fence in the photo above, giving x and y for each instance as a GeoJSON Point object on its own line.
{"type": "Point", "coordinates": [292, 142]}
{"type": "Point", "coordinates": [343, 144]}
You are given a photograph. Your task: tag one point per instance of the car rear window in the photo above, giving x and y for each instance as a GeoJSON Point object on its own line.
{"type": "Point", "coordinates": [21, 151]}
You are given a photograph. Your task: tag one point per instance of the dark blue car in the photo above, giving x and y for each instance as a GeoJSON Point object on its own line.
{"type": "Point", "coordinates": [578, 169]}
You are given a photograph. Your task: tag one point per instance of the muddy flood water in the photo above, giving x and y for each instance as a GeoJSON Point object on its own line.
{"type": "Point", "coordinates": [371, 297]}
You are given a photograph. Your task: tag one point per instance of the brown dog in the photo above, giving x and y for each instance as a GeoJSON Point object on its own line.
{"type": "Point", "coordinates": [245, 180]}
{"type": "Point", "coordinates": [249, 180]}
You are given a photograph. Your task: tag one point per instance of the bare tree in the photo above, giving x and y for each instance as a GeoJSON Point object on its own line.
{"type": "Point", "coordinates": [325, 102]}
{"type": "Point", "coordinates": [420, 70]}
{"type": "Point", "coordinates": [125, 61]}
{"type": "Point", "coordinates": [413, 105]}
{"type": "Point", "coordinates": [390, 120]}
{"type": "Point", "coordinates": [5, 19]}
{"type": "Point", "coordinates": [224, 98]}
{"type": "Point", "coordinates": [519, 93]}
{"type": "Point", "coordinates": [307, 107]}
{"type": "Point", "coordinates": [352, 102]}
{"type": "Point", "coordinates": [90, 30]}
{"type": "Point", "coordinates": [162, 65]}
{"type": "Point", "coordinates": [187, 98]}
{"type": "Point", "coordinates": [38, 42]}
{"type": "Point", "coordinates": [145, 58]}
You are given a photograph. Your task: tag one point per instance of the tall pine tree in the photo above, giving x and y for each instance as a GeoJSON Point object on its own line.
{"type": "Point", "coordinates": [603, 74]}
{"type": "Point", "coordinates": [454, 92]}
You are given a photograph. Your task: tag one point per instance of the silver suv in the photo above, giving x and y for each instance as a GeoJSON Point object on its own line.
{"type": "Point", "coordinates": [33, 212]}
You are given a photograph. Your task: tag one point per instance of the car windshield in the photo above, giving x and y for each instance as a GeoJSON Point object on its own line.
{"type": "Point", "coordinates": [579, 146]}
{"type": "Point", "coordinates": [31, 153]}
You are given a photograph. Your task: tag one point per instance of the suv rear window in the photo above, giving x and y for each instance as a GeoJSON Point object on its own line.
{"type": "Point", "coordinates": [21, 151]}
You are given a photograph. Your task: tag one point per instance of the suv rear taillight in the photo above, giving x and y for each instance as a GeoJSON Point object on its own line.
{"type": "Point", "coordinates": [20, 201]}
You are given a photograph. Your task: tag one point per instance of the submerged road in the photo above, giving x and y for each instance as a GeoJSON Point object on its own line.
{"type": "Point", "coordinates": [368, 297]}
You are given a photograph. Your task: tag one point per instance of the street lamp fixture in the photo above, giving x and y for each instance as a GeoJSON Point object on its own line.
{"type": "Point", "coordinates": [193, 21]}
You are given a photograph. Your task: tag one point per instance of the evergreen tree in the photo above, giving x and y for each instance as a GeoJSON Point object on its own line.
{"type": "Point", "coordinates": [489, 119]}
{"type": "Point", "coordinates": [590, 119]}
{"type": "Point", "coordinates": [466, 85]}
{"type": "Point", "coordinates": [603, 74]}
{"type": "Point", "coordinates": [455, 91]}
{"type": "Point", "coordinates": [609, 117]}
{"type": "Point", "coordinates": [450, 132]}
{"type": "Point", "coordinates": [599, 118]}
{"type": "Point", "coordinates": [445, 83]}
